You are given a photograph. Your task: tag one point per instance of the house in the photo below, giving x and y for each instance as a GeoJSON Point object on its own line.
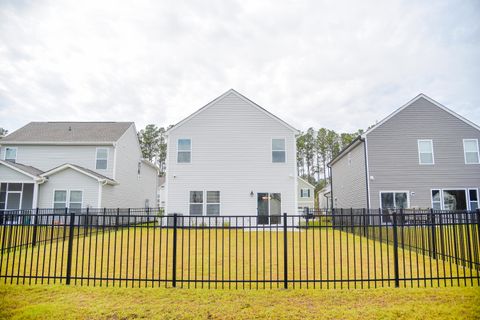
{"type": "Point", "coordinates": [324, 198]}
{"type": "Point", "coordinates": [75, 165]}
{"type": "Point", "coordinates": [232, 157]}
{"type": "Point", "coordinates": [306, 195]}
{"type": "Point", "coordinates": [161, 192]}
{"type": "Point", "coordinates": [423, 155]}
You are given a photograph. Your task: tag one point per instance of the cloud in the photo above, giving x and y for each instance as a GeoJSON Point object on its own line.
{"type": "Point", "coordinates": [341, 65]}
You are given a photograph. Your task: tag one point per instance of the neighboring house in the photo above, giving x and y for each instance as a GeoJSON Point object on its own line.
{"type": "Point", "coordinates": [324, 198]}
{"type": "Point", "coordinates": [306, 195]}
{"type": "Point", "coordinates": [423, 155]}
{"type": "Point", "coordinates": [75, 165]}
{"type": "Point", "coordinates": [232, 157]}
{"type": "Point", "coordinates": [161, 192]}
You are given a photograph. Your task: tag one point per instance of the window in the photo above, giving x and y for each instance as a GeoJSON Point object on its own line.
{"type": "Point", "coordinates": [305, 193]}
{"type": "Point", "coordinates": [196, 203]}
{"type": "Point", "coordinates": [278, 150]}
{"type": "Point", "coordinates": [213, 203]}
{"type": "Point", "coordinates": [75, 199]}
{"type": "Point", "coordinates": [473, 198]}
{"type": "Point", "coordinates": [454, 200]}
{"type": "Point", "coordinates": [425, 151]}
{"type": "Point", "coordinates": [470, 149]}
{"type": "Point", "coordinates": [184, 151]}
{"type": "Point", "coordinates": [436, 200]}
{"type": "Point", "coordinates": [60, 199]}
{"type": "Point", "coordinates": [11, 154]}
{"type": "Point", "coordinates": [101, 159]}
{"type": "Point", "coordinates": [392, 200]}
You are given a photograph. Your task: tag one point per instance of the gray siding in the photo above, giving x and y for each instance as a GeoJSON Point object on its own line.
{"type": "Point", "coordinates": [348, 180]}
{"type": "Point", "coordinates": [10, 175]}
{"type": "Point", "coordinates": [393, 154]}
{"type": "Point", "coordinates": [132, 190]}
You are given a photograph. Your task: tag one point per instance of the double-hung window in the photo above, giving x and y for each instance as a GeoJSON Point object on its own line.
{"type": "Point", "coordinates": [470, 149]}
{"type": "Point", "coordinates": [184, 151]}
{"type": "Point", "coordinates": [213, 203]}
{"type": "Point", "coordinates": [11, 154]}
{"type": "Point", "coordinates": [196, 203]}
{"type": "Point", "coordinates": [74, 197]}
{"type": "Point", "coordinates": [305, 193]}
{"type": "Point", "coordinates": [425, 152]}
{"type": "Point", "coordinates": [101, 159]}
{"type": "Point", "coordinates": [473, 198]}
{"type": "Point", "coordinates": [278, 151]}
{"type": "Point", "coordinates": [207, 202]}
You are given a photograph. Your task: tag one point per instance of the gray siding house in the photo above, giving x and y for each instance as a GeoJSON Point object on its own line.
{"type": "Point", "coordinates": [75, 165]}
{"type": "Point", "coordinates": [423, 155]}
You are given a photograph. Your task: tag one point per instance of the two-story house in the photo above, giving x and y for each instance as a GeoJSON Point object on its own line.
{"type": "Point", "coordinates": [306, 195]}
{"type": "Point", "coordinates": [75, 165]}
{"type": "Point", "coordinates": [232, 157]}
{"type": "Point", "coordinates": [423, 155]}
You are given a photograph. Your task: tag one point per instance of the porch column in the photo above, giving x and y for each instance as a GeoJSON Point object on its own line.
{"type": "Point", "coordinates": [35, 195]}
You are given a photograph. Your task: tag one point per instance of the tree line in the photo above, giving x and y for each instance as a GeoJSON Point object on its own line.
{"type": "Point", "coordinates": [315, 148]}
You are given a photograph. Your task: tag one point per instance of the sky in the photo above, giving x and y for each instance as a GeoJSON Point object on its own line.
{"type": "Point", "coordinates": [343, 65]}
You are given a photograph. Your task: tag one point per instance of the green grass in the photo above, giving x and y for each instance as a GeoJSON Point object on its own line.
{"type": "Point", "coordinates": [63, 302]}
{"type": "Point", "coordinates": [229, 254]}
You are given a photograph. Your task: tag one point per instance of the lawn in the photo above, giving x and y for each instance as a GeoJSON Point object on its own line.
{"type": "Point", "coordinates": [63, 302]}
{"type": "Point", "coordinates": [230, 258]}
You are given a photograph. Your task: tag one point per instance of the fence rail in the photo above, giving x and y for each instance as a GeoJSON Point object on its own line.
{"type": "Point", "coordinates": [336, 249]}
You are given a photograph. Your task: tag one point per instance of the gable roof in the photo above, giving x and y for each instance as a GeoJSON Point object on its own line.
{"type": "Point", "coordinates": [99, 177]}
{"type": "Point", "coordinates": [420, 96]}
{"type": "Point", "coordinates": [232, 91]}
{"type": "Point", "coordinates": [67, 133]}
{"type": "Point", "coordinates": [29, 171]}
{"type": "Point", "coordinates": [306, 182]}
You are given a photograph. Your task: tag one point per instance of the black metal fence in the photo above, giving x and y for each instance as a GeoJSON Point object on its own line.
{"type": "Point", "coordinates": [344, 248]}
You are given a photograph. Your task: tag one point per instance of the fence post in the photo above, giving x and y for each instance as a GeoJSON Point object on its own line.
{"type": "Point", "coordinates": [285, 254]}
{"type": "Point", "coordinates": [174, 264]}
{"type": "Point", "coordinates": [34, 233]}
{"type": "Point", "coordinates": [434, 234]}
{"type": "Point", "coordinates": [364, 222]}
{"type": "Point", "coordinates": [395, 247]}
{"type": "Point", "coordinates": [352, 221]}
{"type": "Point", "coordinates": [70, 247]}
{"type": "Point", "coordinates": [117, 219]}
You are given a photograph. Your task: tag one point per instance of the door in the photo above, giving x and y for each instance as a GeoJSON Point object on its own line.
{"type": "Point", "coordinates": [269, 208]}
{"type": "Point", "coordinates": [12, 205]}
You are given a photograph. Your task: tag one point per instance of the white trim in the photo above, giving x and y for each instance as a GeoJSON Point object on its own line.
{"type": "Point", "coordinates": [67, 199]}
{"type": "Point", "coordinates": [284, 150]}
{"type": "Point", "coordinates": [60, 143]}
{"type": "Point", "coordinates": [394, 191]}
{"type": "Point", "coordinates": [419, 153]}
{"type": "Point", "coordinates": [232, 91]}
{"type": "Point", "coordinates": [306, 182]}
{"type": "Point", "coordinates": [5, 153]}
{"type": "Point", "coordinates": [467, 195]}
{"type": "Point", "coordinates": [114, 170]}
{"type": "Point", "coordinates": [35, 196]}
{"type": "Point", "coordinates": [70, 166]}
{"type": "Point", "coordinates": [421, 95]}
{"type": "Point", "coordinates": [468, 198]}
{"type": "Point", "coordinates": [177, 151]}
{"type": "Point", "coordinates": [465, 152]}
{"type": "Point", "coordinates": [369, 203]}
{"type": "Point", "coordinates": [96, 157]}
{"type": "Point", "coordinates": [302, 192]}
{"type": "Point", "coordinates": [100, 194]}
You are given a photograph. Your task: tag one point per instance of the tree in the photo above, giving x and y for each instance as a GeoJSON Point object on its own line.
{"type": "Point", "coordinates": [322, 149]}
{"type": "Point", "coordinates": [149, 139]}
{"type": "Point", "coordinates": [3, 132]}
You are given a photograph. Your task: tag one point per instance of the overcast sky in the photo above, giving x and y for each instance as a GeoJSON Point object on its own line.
{"type": "Point", "coordinates": [335, 64]}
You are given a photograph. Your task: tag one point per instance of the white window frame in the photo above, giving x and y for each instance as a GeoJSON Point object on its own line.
{"type": "Point", "coordinates": [302, 190]}
{"type": "Point", "coordinates": [190, 203]}
{"type": "Point", "coordinates": [284, 150]}
{"type": "Point", "coordinates": [67, 199]}
{"type": "Point", "coordinates": [191, 153]}
{"type": "Point", "coordinates": [465, 151]}
{"type": "Point", "coordinates": [96, 157]}
{"type": "Point", "coordinates": [7, 192]}
{"type": "Point", "coordinates": [441, 198]}
{"type": "Point", "coordinates": [394, 191]}
{"type": "Point", "coordinates": [467, 196]}
{"type": "Point", "coordinates": [419, 153]}
{"type": "Point", "coordinates": [219, 203]}
{"type": "Point", "coordinates": [16, 154]}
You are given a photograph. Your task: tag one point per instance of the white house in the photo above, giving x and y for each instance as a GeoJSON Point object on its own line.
{"type": "Point", "coordinates": [306, 195]}
{"type": "Point", "coordinates": [232, 157]}
{"type": "Point", "coordinates": [75, 165]}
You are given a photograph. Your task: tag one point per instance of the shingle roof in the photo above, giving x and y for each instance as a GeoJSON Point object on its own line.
{"type": "Point", "coordinates": [85, 170]}
{"type": "Point", "coordinates": [68, 132]}
{"type": "Point", "coordinates": [28, 169]}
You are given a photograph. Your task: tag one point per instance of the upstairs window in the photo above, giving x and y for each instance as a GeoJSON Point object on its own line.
{"type": "Point", "coordinates": [11, 154]}
{"type": "Point", "coordinates": [425, 151]}
{"type": "Point", "coordinates": [470, 149]}
{"type": "Point", "coordinates": [278, 151]}
{"type": "Point", "coordinates": [184, 151]}
{"type": "Point", "coordinates": [305, 193]}
{"type": "Point", "coordinates": [101, 159]}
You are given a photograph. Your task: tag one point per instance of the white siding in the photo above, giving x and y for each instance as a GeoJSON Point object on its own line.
{"type": "Point", "coordinates": [231, 153]}
{"type": "Point", "coordinates": [46, 157]}
{"type": "Point", "coordinates": [305, 202]}
{"type": "Point", "coordinates": [132, 190]}
{"type": "Point", "coordinates": [69, 179]}
{"type": "Point", "coordinates": [10, 175]}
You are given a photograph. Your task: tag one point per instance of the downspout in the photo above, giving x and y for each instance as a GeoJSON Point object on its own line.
{"type": "Point", "coordinates": [366, 172]}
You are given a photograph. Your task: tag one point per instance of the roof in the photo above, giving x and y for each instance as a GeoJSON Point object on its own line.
{"type": "Point", "coordinates": [28, 170]}
{"type": "Point", "coordinates": [232, 91]}
{"type": "Point", "coordinates": [299, 178]}
{"type": "Point", "coordinates": [68, 132]}
{"type": "Point", "coordinates": [420, 96]}
{"type": "Point", "coordinates": [80, 169]}
{"type": "Point", "coordinates": [349, 147]}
